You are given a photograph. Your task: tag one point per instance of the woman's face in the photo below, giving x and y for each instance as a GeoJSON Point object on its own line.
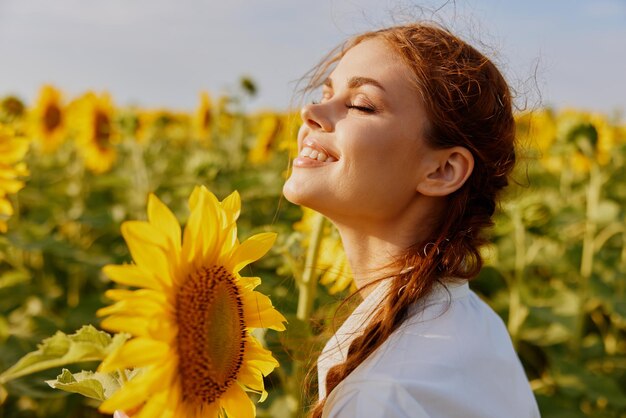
{"type": "Point", "coordinates": [361, 148]}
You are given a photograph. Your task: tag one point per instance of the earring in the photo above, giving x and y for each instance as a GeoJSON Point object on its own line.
{"type": "Point", "coordinates": [426, 249]}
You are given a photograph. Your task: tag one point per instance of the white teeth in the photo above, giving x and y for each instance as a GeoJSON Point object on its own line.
{"type": "Point", "coordinates": [316, 155]}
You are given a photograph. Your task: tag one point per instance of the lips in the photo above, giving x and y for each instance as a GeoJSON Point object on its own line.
{"type": "Point", "coordinates": [314, 151]}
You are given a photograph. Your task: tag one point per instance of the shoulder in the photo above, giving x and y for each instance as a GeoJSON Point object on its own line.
{"type": "Point", "coordinates": [452, 359]}
{"type": "Point", "coordinates": [372, 398]}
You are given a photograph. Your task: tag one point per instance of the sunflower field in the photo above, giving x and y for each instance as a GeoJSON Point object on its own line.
{"type": "Point", "coordinates": [91, 191]}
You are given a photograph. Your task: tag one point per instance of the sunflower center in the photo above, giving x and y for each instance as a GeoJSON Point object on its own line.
{"type": "Point", "coordinates": [211, 334]}
{"type": "Point", "coordinates": [102, 129]}
{"type": "Point", "coordinates": [52, 118]}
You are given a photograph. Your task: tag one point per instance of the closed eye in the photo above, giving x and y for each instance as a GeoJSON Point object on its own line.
{"type": "Point", "coordinates": [365, 109]}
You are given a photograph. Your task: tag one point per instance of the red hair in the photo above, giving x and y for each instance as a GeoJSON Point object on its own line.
{"type": "Point", "coordinates": [468, 104]}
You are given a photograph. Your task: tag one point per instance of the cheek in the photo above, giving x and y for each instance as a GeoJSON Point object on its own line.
{"type": "Point", "coordinates": [385, 150]}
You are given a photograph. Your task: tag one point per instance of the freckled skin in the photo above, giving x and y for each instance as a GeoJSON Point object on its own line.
{"type": "Point", "coordinates": [388, 187]}
{"type": "Point", "coordinates": [381, 154]}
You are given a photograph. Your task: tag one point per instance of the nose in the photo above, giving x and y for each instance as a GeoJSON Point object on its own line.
{"type": "Point", "coordinates": [316, 116]}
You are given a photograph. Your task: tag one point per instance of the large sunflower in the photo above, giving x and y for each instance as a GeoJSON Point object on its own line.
{"type": "Point", "coordinates": [48, 124]}
{"type": "Point", "coordinates": [96, 131]}
{"type": "Point", "coordinates": [12, 152]}
{"type": "Point", "coordinates": [192, 315]}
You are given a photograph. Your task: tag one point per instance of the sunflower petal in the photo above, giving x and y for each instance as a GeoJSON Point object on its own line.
{"type": "Point", "coordinates": [148, 232]}
{"type": "Point", "coordinates": [251, 250]}
{"type": "Point", "coordinates": [121, 323]}
{"type": "Point", "coordinates": [192, 236]}
{"type": "Point", "coordinates": [250, 377]}
{"type": "Point", "coordinates": [237, 403]}
{"type": "Point", "coordinates": [232, 207]}
{"type": "Point", "coordinates": [258, 357]}
{"type": "Point", "coordinates": [138, 352]}
{"type": "Point", "coordinates": [118, 294]}
{"type": "Point", "coordinates": [194, 197]}
{"type": "Point", "coordinates": [146, 253]}
{"type": "Point", "coordinates": [156, 406]}
{"type": "Point", "coordinates": [260, 313]}
{"type": "Point", "coordinates": [139, 389]}
{"type": "Point", "coordinates": [249, 283]}
{"type": "Point", "coordinates": [135, 306]}
{"type": "Point", "coordinates": [131, 275]}
{"type": "Point", "coordinates": [162, 218]}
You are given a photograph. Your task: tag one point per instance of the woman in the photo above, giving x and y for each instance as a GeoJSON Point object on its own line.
{"type": "Point", "coordinates": [406, 154]}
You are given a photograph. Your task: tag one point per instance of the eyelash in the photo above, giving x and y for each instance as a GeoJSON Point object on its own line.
{"type": "Point", "coordinates": [364, 109]}
{"type": "Point", "coordinates": [361, 108]}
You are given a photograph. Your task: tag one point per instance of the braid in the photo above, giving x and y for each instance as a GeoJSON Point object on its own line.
{"type": "Point", "coordinates": [404, 290]}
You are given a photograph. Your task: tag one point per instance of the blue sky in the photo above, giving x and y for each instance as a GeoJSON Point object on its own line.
{"type": "Point", "coordinates": [161, 53]}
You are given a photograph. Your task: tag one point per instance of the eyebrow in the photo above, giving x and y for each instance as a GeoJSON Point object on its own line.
{"type": "Point", "coordinates": [356, 82]}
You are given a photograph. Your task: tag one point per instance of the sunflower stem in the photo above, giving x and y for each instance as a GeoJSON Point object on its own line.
{"type": "Point", "coordinates": [586, 265]}
{"type": "Point", "coordinates": [308, 284]}
{"type": "Point", "coordinates": [516, 309]}
{"type": "Point", "coordinates": [307, 287]}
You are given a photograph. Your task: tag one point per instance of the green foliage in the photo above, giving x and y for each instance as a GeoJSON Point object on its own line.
{"type": "Point", "coordinates": [98, 386]}
{"type": "Point", "coordinates": [556, 272]}
{"type": "Point", "coordinates": [87, 344]}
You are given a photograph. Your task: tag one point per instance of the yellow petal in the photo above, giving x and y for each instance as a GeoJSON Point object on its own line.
{"type": "Point", "coordinates": [5, 207]}
{"type": "Point", "coordinates": [11, 186]}
{"type": "Point", "coordinates": [147, 232]}
{"type": "Point", "coordinates": [192, 236]}
{"type": "Point", "coordinates": [194, 197]}
{"type": "Point", "coordinates": [232, 207]}
{"type": "Point", "coordinates": [210, 227]}
{"type": "Point", "coordinates": [156, 327]}
{"type": "Point", "coordinates": [248, 283]}
{"type": "Point", "coordinates": [136, 305]}
{"type": "Point", "coordinates": [250, 377]}
{"type": "Point", "coordinates": [138, 352]}
{"type": "Point", "coordinates": [147, 255]}
{"type": "Point", "coordinates": [164, 220]}
{"type": "Point", "coordinates": [258, 357]}
{"type": "Point", "coordinates": [251, 250]}
{"type": "Point", "coordinates": [228, 238]}
{"type": "Point", "coordinates": [120, 323]}
{"type": "Point", "coordinates": [259, 312]}
{"type": "Point", "coordinates": [140, 388]}
{"type": "Point", "coordinates": [237, 403]}
{"type": "Point", "coordinates": [156, 406]}
{"type": "Point", "coordinates": [131, 275]}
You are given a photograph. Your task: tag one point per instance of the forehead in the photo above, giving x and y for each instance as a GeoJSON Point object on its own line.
{"type": "Point", "coordinates": [373, 58]}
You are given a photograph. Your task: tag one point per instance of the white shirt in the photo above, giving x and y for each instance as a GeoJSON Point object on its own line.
{"type": "Point", "coordinates": [452, 357]}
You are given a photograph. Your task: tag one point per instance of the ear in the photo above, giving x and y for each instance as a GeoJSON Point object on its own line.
{"type": "Point", "coordinates": [450, 169]}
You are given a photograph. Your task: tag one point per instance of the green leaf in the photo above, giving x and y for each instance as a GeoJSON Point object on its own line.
{"type": "Point", "coordinates": [87, 344]}
{"type": "Point", "coordinates": [98, 386]}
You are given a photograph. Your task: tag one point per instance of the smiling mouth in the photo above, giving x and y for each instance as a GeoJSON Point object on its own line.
{"type": "Point", "coordinates": [314, 154]}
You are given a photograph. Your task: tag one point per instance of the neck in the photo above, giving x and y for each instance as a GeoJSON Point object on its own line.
{"type": "Point", "coordinates": [373, 247]}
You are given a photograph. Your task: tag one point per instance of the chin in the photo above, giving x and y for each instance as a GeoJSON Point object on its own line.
{"type": "Point", "coordinates": [296, 193]}
{"type": "Point", "coordinates": [290, 192]}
